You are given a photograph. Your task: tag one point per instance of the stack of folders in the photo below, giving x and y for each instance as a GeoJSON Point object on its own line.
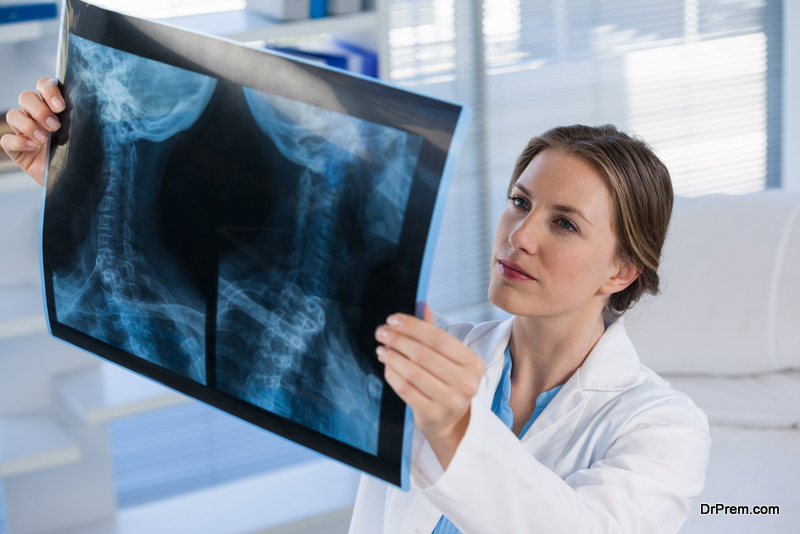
{"type": "Point", "coordinates": [304, 9]}
{"type": "Point", "coordinates": [337, 53]}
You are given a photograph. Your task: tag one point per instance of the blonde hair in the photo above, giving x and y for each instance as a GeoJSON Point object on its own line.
{"type": "Point", "coordinates": [641, 190]}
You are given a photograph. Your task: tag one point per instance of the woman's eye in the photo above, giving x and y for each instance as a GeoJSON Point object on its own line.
{"type": "Point", "coordinates": [565, 224]}
{"type": "Point", "coordinates": [518, 202]}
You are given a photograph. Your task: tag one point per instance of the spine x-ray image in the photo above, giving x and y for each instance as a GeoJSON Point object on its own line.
{"type": "Point", "coordinates": [238, 235]}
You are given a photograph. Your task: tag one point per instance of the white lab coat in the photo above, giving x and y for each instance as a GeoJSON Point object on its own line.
{"type": "Point", "coordinates": [616, 451]}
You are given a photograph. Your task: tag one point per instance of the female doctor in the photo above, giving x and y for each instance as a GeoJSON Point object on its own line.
{"type": "Point", "coordinates": [546, 422]}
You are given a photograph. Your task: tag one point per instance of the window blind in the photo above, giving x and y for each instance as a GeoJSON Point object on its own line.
{"type": "Point", "coordinates": [699, 80]}
{"type": "Point", "coordinates": [433, 50]}
{"type": "Point", "coordinates": [188, 447]}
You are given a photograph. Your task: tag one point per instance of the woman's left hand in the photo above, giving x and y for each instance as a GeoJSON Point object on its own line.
{"type": "Point", "coordinates": [435, 374]}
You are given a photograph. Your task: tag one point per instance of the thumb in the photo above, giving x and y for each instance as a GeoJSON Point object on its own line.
{"type": "Point", "coordinates": [425, 312]}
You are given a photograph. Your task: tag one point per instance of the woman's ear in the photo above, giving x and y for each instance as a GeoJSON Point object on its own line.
{"type": "Point", "coordinates": [625, 276]}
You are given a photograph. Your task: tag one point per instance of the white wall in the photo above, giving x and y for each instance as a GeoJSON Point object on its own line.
{"type": "Point", "coordinates": [791, 94]}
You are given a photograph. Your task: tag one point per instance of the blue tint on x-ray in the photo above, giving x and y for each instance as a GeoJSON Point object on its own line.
{"type": "Point", "coordinates": [282, 337]}
{"type": "Point", "coordinates": [125, 289]}
{"type": "Point", "coordinates": [284, 325]}
{"type": "Point", "coordinates": [235, 224]}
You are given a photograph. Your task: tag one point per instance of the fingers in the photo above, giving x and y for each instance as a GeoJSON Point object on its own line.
{"type": "Point", "coordinates": [447, 370]}
{"type": "Point", "coordinates": [413, 376]}
{"type": "Point", "coordinates": [430, 335]}
{"type": "Point", "coordinates": [31, 125]}
{"type": "Point", "coordinates": [15, 144]}
{"type": "Point", "coordinates": [441, 411]}
{"type": "Point", "coordinates": [450, 375]}
{"type": "Point", "coordinates": [33, 106]}
{"type": "Point", "coordinates": [407, 392]}
{"type": "Point", "coordinates": [35, 119]}
{"type": "Point", "coordinates": [26, 127]}
{"type": "Point", "coordinates": [51, 94]}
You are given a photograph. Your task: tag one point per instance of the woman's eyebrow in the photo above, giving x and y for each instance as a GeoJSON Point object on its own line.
{"type": "Point", "coordinates": [557, 207]}
{"type": "Point", "coordinates": [570, 209]}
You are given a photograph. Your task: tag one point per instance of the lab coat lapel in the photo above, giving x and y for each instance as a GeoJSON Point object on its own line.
{"type": "Point", "coordinates": [491, 346]}
{"type": "Point", "coordinates": [548, 435]}
{"type": "Point", "coordinates": [611, 365]}
{"type": "Point", "coordinates": [418, 514]}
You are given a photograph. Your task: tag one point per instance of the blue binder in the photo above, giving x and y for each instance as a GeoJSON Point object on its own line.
{"type": "Point", "coordinates": [27, 12]}
{"type": "Point", "coordinates": [319, 9]}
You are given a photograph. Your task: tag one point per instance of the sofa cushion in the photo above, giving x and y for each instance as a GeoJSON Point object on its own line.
{"type": "Point", "coordinates": [787, 314]}
{"type": "Point", "coordinates": [749, 468]}
{"type": "Point", "coordinates": [730, 302]}
{"type": "Point", "coordinates": [763, 401]}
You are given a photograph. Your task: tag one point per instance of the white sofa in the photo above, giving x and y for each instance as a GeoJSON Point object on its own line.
{"type": "Point", "coordinates": [726, 331]}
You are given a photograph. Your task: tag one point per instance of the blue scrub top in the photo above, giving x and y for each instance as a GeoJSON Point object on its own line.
{"type": "Point", "coordinates": [502, 410]}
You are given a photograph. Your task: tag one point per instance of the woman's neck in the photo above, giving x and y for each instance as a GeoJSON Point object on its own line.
{"type": "Point", "coordinates": [545, 352]}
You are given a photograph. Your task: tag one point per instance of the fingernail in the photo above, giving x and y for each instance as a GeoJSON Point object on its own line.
{"type": "Point", "coordinates": [381, 350]}
{"type": "Point", "coordinates": [52, 123]}
{"type": "Point", "coordinates": [40, 136]}
{"type": "Point", "coordinates": [393, 320]}
{"type": "Point", "coordinates": [32, 144]}
{"type": "Point", "coordinates": [381, 333]}
{"type": "Point", "coordinates": [58, 103]}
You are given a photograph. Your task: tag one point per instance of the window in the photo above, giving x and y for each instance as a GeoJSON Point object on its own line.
{"type": "Point", "coordinates": [700, 80]}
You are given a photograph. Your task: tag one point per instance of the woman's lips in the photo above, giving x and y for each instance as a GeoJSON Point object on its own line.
{"type": "Point", "coordinates": [512, 271]}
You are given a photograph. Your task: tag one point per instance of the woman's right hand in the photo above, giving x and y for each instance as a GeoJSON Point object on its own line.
{"type": "Point", "coordinates": [435, 374]}
{"type": "Point", "coordinates": [36, 117]}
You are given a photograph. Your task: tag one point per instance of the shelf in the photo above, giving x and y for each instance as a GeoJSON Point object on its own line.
{"type": "Point", "coordinates": [247, 26]}
{"type": "Point", "coordinates": [26, 31]}
{"type": "Point", "coordinates": [31, 443]}
{"type": "Point", "coordinates": [21, 311]}
{"type": "Point", "coordinates": [107, 392]}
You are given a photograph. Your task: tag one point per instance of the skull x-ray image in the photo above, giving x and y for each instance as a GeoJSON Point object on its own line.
{"type": "Point", "coordinates": [235, 224]}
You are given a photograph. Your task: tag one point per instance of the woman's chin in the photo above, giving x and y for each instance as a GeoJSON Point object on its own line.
{"type": "Point", "coordinates": [509, 300]}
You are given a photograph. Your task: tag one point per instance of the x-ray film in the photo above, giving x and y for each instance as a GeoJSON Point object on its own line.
{"type": "Point", "coordinates": [234, 224]}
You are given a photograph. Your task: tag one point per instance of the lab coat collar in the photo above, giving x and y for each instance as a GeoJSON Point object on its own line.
{"type": "Point", "coordinates": [491, 344]}
{"type": "Point", "coordinates": [612, 365]}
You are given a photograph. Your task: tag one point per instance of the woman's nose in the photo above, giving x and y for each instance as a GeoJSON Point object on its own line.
{"type": "Point", "coordinates": [525, 235]}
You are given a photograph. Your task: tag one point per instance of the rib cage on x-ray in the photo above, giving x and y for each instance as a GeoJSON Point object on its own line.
{"type": "Point", "coordinates": [284, 338]}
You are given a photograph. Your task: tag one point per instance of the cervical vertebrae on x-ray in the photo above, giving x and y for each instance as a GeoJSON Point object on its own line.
{"type": "Point", "coordinates": [282, 340]}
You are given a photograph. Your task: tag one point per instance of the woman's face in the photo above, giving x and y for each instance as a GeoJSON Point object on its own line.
{"type": "Point", "coordinates": [554, 250]}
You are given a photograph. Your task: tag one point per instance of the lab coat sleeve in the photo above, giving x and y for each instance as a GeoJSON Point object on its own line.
{"type": "Point", "coordinates": [644, 483]}
{"type": "Point", "coordinates": [368, 512]}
